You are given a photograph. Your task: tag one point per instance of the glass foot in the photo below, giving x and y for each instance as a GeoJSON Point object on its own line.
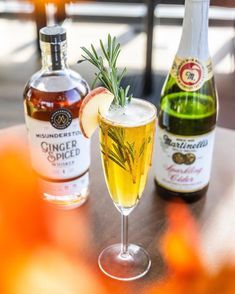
{"type": "Point", "coordinates": [128, 267]}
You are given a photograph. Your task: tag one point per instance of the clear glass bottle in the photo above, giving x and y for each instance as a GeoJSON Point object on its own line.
{"type": "Point", "coordinates": [60, 154]}
{"type": "Point", "coordinates": [188, 113]}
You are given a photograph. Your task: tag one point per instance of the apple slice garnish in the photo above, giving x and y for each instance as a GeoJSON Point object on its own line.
{"type": "Point", "coordinates": [97, 100]}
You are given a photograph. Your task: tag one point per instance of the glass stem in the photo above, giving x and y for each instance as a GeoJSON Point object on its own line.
{"type": "Point", "coordinates": [124, 247]}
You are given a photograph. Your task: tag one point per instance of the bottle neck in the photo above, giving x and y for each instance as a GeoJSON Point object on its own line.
{"type": "Point", "coordinates": [53, 57]}
{"type": "Point", "coordinates": [194, 40]}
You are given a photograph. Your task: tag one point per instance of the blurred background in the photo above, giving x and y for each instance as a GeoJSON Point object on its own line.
{"type": "Point", "coordinates": [149, 32]}
{"type": "Point", "coordinates": [39, 243]}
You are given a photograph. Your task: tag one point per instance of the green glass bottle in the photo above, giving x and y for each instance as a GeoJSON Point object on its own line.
{"type": "Point", "coordinates": [188, 113]}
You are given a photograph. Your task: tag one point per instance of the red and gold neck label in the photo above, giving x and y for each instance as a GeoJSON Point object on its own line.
{"type": "Point", "coordinates": [190, 73]}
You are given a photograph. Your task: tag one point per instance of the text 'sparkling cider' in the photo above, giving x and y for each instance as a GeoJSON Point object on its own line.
{"type": "Point", "coordinates": [188, 112]}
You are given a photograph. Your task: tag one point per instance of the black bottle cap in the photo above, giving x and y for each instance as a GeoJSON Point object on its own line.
{"type": "Point", "coordinates": [53, 34]}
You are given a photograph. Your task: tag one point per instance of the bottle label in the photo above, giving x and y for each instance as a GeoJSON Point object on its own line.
{"type": "Point", "coordinates": [190, 74]}
{"type": "Point", "coordinates": [58, 148]}
{"type": "Point", "coordinates": [70, 189]}
{"type": "Point", "coordinates": [183, 163]}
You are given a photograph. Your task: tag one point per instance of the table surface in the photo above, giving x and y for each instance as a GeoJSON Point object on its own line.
{"type": "Point", "coordinates": [147, 221]}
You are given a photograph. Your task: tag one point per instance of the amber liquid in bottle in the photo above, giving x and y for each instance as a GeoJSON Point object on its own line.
{"type": "Point", "coordinates": [41, 109]}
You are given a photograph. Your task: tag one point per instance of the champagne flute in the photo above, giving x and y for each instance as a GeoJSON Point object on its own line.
{"type": "Point", "coordinates": [126, 143]}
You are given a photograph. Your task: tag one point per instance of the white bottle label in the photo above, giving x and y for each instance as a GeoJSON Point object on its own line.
{"type": "Point", "coordinates": [58, 148]}
{"type": "Point", "coordinates": [70, 190]}
{"type": "Point", "coordinates": [183, 163]}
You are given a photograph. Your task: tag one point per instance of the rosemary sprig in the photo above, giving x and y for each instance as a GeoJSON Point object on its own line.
{"type": "Point", "coordinates": [108, 75]}
{"type": "Point", "coordinates": [122, 152]}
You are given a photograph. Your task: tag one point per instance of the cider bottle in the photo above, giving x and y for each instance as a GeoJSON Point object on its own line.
{"type": "Point", "coordinates": [188, 113]}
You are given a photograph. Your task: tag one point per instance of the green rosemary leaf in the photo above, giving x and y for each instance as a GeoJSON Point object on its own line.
{"type": "Point", "coordinates": [121, 75]}
{"type": "Point", "coordinates": [113, 154]}
{"type": "Point", "coordinates": [97, 77]}
{"type": "Point", "coordinates": [114, 160]}
{"type": "Point", "coordinates": [119, 152]}
{"type": "Point", "coordinates": [109, 46]}
{"type": "Point", "coordinates": [127, 90]}
{"type": "Point", "coordinates": [113, 47]}
{"type": "Point", "coordinates": [89, 55]}
{"type": "Point", "coordinates": [129, 98]}
{"type": "Point", "coordinates": [117, 162]}
{"type": "Point", "coordinates": [114, 84]}
{"type": "Point", "coordinates": [88, 59]}
{"type": "Point", "coordinates": [81, 61]}
{"type": "Point", "coordinates": [142, 149]}
{"type": "Point", "coordinates": [115, 55]}
{"type": "Point", "coordinates": [104, 82]}
{"type": "Point", "coordinates": [131, 146]}
{"type": "Point", "coordinates": [105, 77]}
{"type": "Point", "coordinates": [122, 132]}
{"type": "Point", "coordinates": [128, 160]}
{"type": "Point", "coordinates": [131, 150]}
{"type": "Point", "coordinates": [120, 148]}
{"type": "Point", "coordinates": [118, 134]}
{"type": "Point", "coordinates": [108, 76]}
{"type": "Point", "coordinates": [101, 63]}
{"type": "Point", "coordinates": [94, 51]}
{"type": "Point", "coordinates": [116, 137]}
{"type": "Point", "coordinates": [103, 50]}
{"type": "Point", "coordinates": [122, 96]}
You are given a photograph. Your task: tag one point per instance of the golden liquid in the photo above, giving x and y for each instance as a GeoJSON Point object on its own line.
{"type": "Point", "coordinates": [126, 157]}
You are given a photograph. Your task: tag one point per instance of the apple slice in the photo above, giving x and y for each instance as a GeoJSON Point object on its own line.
{"type": "Point", "coordinates": [98, 99]}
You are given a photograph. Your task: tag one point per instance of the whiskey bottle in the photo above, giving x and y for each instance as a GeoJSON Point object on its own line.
{"type": "Point", "coordinates": [188, 113]}
{"type": "Point", "coordinates": [60, 155]}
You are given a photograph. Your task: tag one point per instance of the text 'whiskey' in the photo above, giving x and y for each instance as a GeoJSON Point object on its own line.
{"type": "Point", "coordinates": [60, 154]}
